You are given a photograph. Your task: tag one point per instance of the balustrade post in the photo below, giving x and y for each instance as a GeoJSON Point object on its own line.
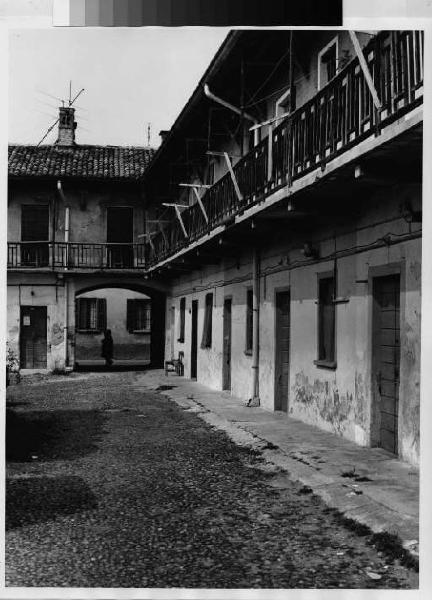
{"type": "Point", "coordinates": [270, 154]}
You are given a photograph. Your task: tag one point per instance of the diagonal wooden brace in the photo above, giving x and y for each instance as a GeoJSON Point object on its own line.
{"type": "Point", "coordinates": [179, 217]}
{"type": "Point", "coordinates": [233, 177]}
{"type": "Point", "coordinates": [201, 205]}
{"type": "Point", "coordinates": [365, 69]}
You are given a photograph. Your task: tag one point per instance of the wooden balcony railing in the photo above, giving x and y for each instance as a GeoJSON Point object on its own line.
{"type": "Point", "coordinates": [74, 255]}
{"type": "Point", "coordinates": [339, 116]}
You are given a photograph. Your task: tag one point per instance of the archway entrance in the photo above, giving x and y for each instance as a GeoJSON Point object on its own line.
{"type": "Point", "coordinates": [126, 314]}
{"type": "Point", "coordinates": [134, 313]}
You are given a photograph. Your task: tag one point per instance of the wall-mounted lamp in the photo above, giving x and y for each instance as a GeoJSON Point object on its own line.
{"type": "Point", "coordinates": [410, 215]}
{"type": "Point", "coordinates": [309, 251]}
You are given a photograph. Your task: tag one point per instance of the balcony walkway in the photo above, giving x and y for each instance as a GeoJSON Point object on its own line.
{"type": "Point", "coordinates": [388, 501]}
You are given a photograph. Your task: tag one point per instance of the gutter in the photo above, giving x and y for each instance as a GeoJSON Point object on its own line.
{"type": "Point", "coordinates": [233, 108]}
{"type": "Point", "coordinates": [66, 287]}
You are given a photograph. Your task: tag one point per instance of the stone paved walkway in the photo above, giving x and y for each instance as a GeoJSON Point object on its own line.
{"type": "Point", "coordinates": [111, 484]}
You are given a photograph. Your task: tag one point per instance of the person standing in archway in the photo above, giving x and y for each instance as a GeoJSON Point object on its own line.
{"type": "Point", "coordinates": [108, 348]}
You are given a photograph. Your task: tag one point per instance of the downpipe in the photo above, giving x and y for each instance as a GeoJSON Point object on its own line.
{"type": "Point", "coordinates": [235, 109]}
{"type": "Point", "coordinates": [255, 399]}
{"type": "Point", "coordinates": [66, 286]}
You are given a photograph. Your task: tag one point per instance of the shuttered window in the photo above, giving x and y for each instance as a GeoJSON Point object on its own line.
{"type": "Point", "coordinates": [249, 321]}
{"type": "Point", "coordinates": [326, 320]}
{"type": "Point", "coordinates": [182, 317]}
{"type": "Point", "coordinates": [138, 315]}
{"type": "Point", "coordinates": [206, 341]}
{"type": "Point", "coordinates": [91, 314]}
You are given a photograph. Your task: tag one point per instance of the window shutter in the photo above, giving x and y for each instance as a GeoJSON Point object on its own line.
{"type": "Point", "coordinates": [78, 311]}
{"type": "Point", "coordinates": [130, 315]}
{"type": "Point", "coordinates": [207, 328]}
{"type": "Point", "coordinates": [101, 314]}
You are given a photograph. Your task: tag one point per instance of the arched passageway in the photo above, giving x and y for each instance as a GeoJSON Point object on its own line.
{"type": "Point", "coordinates": [133, 310]}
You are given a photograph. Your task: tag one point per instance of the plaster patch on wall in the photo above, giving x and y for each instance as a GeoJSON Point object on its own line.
{"type": "Point", "coordinates": [361, 393]}
{"type": "Point", "coordinates": [56, 334]}
{"type": "Point", "coordinates": [322, 402]}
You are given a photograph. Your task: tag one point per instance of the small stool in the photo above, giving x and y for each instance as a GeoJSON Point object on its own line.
{"type": "Point", "coordinates": [175, 364]}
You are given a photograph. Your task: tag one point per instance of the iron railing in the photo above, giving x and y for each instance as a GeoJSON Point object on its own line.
{"type": "Point", "coordinates": [338, 117]}
{"type": "Point", "coordinates": [75, 255]}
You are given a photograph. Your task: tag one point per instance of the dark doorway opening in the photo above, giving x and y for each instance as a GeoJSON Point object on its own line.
{"type": "Point", "coordinates": [282, 350]}
{"type": "Point", "coordinates": [386, 361]}
{"type": "Point", "coordinates": [120, 237]}
{"type": "Point", "coordinates": [194, 339]}
{"type": "Point", "coordinates": [34, 235]}
{"type": "Point", "coordinates": [33, 337]}
{"type": "Point", "coordinates": [227, 327]}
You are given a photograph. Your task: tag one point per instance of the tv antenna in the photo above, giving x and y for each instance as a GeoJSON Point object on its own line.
{"type": "Point", "coordinates": [70, 103]}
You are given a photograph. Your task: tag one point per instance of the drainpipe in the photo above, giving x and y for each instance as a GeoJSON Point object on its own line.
{"type": "Point", "coordinates": [230, 106]}
{"type": "Point", "coordinates": [66, 287]}
{"type": "Point", "coordinates": [255, 400]}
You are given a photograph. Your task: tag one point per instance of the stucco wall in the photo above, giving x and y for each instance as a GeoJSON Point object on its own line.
{"type": "Point", "coordinates": [337, 400]}
{"type": "Point", "coordinates": [88, 209]}
{"type": "Point", "coordinates": [135, 346]}
{"type": "Point", "coordinates": [31, 290]}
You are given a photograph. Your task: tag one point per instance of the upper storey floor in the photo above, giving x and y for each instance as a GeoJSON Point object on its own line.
{"type": "Point", "coordinates": [272, 110]}
{"type": "Point", "coordinates": [76, 207]}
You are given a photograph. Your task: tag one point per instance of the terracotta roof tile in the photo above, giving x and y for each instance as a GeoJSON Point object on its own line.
{"type": "Point", "coordinates": [92, 162]}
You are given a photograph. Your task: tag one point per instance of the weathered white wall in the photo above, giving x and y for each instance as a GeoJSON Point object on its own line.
{"type": "Point", "coordinates": [338, 400]}
{"type": "Point", "coordinates": [31, 290]}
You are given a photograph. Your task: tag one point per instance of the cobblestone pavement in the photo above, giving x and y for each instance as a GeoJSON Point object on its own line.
{"type": "Point", "coordinates": [113, 487]}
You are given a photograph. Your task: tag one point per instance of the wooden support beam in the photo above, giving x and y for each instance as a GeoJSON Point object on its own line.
{"type": "Point", "coordinates": [215, 153]}
{"type": "Point", "coordinates": [201, 205]}
{"type": "Point", "coordinates": [179, 217]}
{"type": "Point", "coordinates": [269, 121]}
{"type": "Point", "coordinates": [194, 185]}
{"type": "Point", "coordinates": [233, 177]}
{"type": "Point", "coordinates": [365, 69]}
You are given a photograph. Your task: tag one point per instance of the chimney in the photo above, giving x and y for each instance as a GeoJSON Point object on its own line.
{"type": "Point", "coordinates": [163, 134]}
{"type": "Point", "coordinates": [67, 126]}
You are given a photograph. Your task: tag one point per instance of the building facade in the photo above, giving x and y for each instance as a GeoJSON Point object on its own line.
{"type": "Point", "coordinates": [287, 207]}
{"type": "Point", "coordinates": [76, 225]}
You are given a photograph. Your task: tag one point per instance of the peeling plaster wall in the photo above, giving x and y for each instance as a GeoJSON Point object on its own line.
{"type": "Point", "coordinates": [340, 400]}
{"type": "Point", "coordinates": [29, 290]}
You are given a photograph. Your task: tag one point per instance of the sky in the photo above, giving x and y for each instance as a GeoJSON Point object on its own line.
{"type": "Point", "coordinates": [131, 77]}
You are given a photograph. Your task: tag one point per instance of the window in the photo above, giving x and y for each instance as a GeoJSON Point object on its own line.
{"type": "Point", "coordinates": [34, 232]}
{"type": "Point", "coordinates": [286, 103]}
{"type": "Point", "coordinates": [249, 322]}
{"type": "Point", "coordinates": [206, 341]}
{"type": "Point", "coordinates": [91, 314]}
{"type": "Point", "coordinates": [138, 316]}
{"type": "Point", "coordinates": [182, 320]}
{"type": "Point", "coordinates": [326, 322]}
{"type": "Point", "coordinates": [327, 63]}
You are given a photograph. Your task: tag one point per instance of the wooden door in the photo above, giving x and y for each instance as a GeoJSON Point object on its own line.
{"type": "Point", "coordinates": [386, 360]}
{"type": "Point", "coordinates": [120, 236]}
{"type": "Point", "coordinates": [194, 339]}
{"type": "Point", "coordinates": [33, 337]}
{"type": "Point", "coordinates": [226, 368]}
{"type": "Point", "coordinates": [35, 233]}
{"type": "Point", "coordinates": [282, 350]}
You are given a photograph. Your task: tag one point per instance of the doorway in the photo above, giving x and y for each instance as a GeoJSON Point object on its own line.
{"type": "Point", "coordinates": [33, 337]}
{"type": "Point", "coordinates": [386, 361]}
{"type": "Point", "coordinates": [34, 234]}
{"type": "Point", "coordinates": [282, 350]}
{"type": "Point", "coordinates": [120, 237]}
{"type": "Point", "coordinates": [227, 327]}
{"type": "Point", "coordinates": [194, 339]}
